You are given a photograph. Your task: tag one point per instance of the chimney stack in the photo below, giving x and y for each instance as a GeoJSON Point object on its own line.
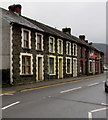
{"type": "Point", "coordinates": [67, 30]}
{"type": "Point", "coordinates": [82, 37]}
{"type": "Point", "coordinates": [90, 43]}
{"type": "Point", "coordinates": [15, 9]}
{"type": "Point", "coordinates": [86, 41]}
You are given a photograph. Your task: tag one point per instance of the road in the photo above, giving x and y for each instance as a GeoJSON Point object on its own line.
{"type": "Point", "coordinates": [81, 99]}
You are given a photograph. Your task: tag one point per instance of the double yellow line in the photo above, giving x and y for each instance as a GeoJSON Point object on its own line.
{"type": "Point", "coordinates": [36, 88]}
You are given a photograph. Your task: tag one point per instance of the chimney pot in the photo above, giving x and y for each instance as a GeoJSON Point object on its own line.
{"type": "Point", "coordinates": [15, 8]}
{"type": "Point", "coordinates": [82, 37]}
{"type": "Point", "coordinates": [86, 41]}
{"type": "Point", "coordinates": [90, 43]}
{"type": "Point", "coordinates": [66, 30]}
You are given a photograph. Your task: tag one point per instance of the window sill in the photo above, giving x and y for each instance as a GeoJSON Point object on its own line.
{"type": "Point", "coordinates": [26, 48]}
{"type": "Point", "coordinates": [51, 52]}
{"type": "Point", "coordinates": [60, 53]}
{"type": "Point", "coordinates": [68, 73]}
{"type": "Point", "coordinates": [52, 74]}
{"type": "Point", "coordinates": [26, 75]}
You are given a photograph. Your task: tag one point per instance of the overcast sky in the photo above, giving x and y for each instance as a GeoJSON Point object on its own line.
{"type": "Point", "coordinates": [88, 18]}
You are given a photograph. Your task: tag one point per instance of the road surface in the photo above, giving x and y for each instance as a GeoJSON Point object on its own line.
{"type": "Point", "coordinates": [80, 99]}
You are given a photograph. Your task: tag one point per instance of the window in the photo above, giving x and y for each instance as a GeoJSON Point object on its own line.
{"type": "Point", "coordinates": [81, 66]}
{"type": "Point", "coordinates": [60, 46]}
{"type": "Point", "coordinates": [52, 66]}
{"type": "Point", "coordinates": [68, 65]}
{"type": "Point", "coordinates": [26, 64]}
{"type": "Point", "coordinates": [26, 38]}
{"type": "Point", "coordinates": [51, 61]}
{"type": "Point", "coordinates": [51, 44]}
{"type": "Point", "coordinates": [81, 52]}
{"type": "Point", "coordinates": [39, 41]}
{"type": "Point", "coordinates": [86, 53]}
{"type": "Point", "coordinates": [74, 49]}
{"type": "Point", "coordinates": [91, 53]}
{"type": "Point", "coordinates": [68, 47]}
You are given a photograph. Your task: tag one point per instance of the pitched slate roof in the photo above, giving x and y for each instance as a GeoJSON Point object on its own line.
{"type": "Point", "coordinates": [22, 20]}
{"type": "Point", "coordinates": [56, 32]}
{"type": "Point", "coordinates": [12, 17]}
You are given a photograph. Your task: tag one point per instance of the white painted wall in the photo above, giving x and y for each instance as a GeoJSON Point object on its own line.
{"type": "Point", "coordinates": [5, 40]}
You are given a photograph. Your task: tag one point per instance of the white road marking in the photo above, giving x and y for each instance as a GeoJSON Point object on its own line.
{"type": "Point", "coordinates": [6, 94]}
{"type": "Point", "coordinates": [10, 105]}
{"type": "Point", "coordinates": [70, 90]}
{"type": "Point", "coordinates": [99, 109]}
{"type": "Point", "coordinates": [90, 113]}
{"type": "Point", "coordinates": [93, 84]}
{"type": "Point", "coordinates": [103, 81]}
{"type": "Point", "coordinates": [104, 104]}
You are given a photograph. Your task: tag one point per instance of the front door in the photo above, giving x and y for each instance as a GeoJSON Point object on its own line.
{"type": "Point", "coordinates": [60, 68]}
{"type": "Point", "coordinates": [39, 68]}
{"type": "Point", "coordinates": [75, 67]}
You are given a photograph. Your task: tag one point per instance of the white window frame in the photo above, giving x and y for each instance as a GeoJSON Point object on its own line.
{"type": "Point", "coordinates": [91, 53]}
{"type": "Point", "coordinates": [54, 57]}
{"type": "Point", "coordinates": [67, 48]}
{"type": "Point", "coordinates": [70, 65]}
{"type": "Point", "coordinates": [41, 56]}
{"type": "Point", "coordinates": [58, 66]}
{"type": "Point", "coordinates": [26, 54]}
{"type": "Point", "coordinates": [53, 44]}
{"type": "Point", "coordinates": [41, 40]}
{"type": "Point", "coordinates": [75, 49]}
{"type": "Point", "coordinates": [61, 46]}
{"type": "Point", "coordinates": [75, 60]}
{"type": "Point", "coordinates": [22, 39]}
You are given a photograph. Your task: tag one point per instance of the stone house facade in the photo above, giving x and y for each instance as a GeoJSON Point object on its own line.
{"type": "Point", "coordinates": [37, 52]}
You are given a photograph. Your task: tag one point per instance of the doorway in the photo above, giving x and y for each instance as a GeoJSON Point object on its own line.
{"type": "Point", "coordinates": [60, 67]}
{"type": "Point", "coordinates": [74, 67]}
{"type": "Point", "coordinates": [39, 68]}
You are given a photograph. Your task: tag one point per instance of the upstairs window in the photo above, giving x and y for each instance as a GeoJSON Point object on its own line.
{"type": "Point", "coordinates": [26, 38]}
{"type": "Point", "coordinates": [60, 46]}
{"type": "Point", "coordinates": [39, 41]}
{"type": "Point", "coordinates": [51, 44]}
{"type": "Point", "coordinates": [74, 49]}
{"type": "Point", "coordinates": [81, 52]}
{"type": "Point", "coordinates": [68, 48]}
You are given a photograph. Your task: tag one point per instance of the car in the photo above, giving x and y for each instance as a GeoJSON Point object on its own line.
{"type": "Point", "coordinates": [106, 85]}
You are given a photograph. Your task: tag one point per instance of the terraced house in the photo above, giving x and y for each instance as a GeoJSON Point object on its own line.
{"type": "Point", "coordinates": [34, 52]}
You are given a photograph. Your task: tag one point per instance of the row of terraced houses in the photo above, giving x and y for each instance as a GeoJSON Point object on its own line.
{"type": "Point", "coordinates": [32, 51]}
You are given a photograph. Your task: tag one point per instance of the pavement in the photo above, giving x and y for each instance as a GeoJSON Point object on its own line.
{"type": "Point", "coordinates": [46, 83]}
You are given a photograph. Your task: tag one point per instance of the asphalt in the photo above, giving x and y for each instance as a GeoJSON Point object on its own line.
{"type": "Point", "coordinates": [51, 102]}
{"type": "Point", "coordinates": [46, 83]}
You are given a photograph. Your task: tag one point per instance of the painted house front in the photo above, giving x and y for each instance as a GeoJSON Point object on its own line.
{"type": "Point", "coordinates": [37, 52]}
